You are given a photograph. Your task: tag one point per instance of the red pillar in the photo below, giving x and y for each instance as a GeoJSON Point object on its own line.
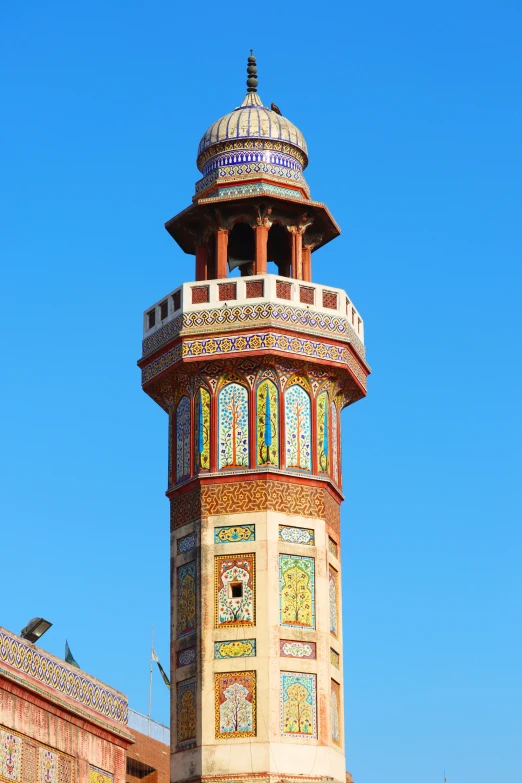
{"type": "Point", "coordinates": [297, 252]}
{"type": "Point", "coordinates": [201, 262]}
{"type": "Point", "coordinates": [221, 253]}
{"type": "Point", "coordinates": [298, 268]}
{"type": "Point", "coordinates": [307, 263]}
{"type": "Point", "coordinates": [261, 250]}
{"type": "Point", "coordinates": [293, 236]}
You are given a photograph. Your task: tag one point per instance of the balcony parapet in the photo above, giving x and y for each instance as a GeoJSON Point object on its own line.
{"type": "Point", "coordinates": [57, 679]}
{"type": "Point", "coordinates": [248, 302]}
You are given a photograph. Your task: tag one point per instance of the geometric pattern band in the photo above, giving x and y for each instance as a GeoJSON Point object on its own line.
{"type": "Point", "coordinates": [260, 341]}
{"type": "Point", "coordinates": [254, 315]}
{"type": "Point", "coordinates": [240, 497]}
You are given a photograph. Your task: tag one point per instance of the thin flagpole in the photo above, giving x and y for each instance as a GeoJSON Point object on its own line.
{"type": "Point", "coordinates": [150, 677]}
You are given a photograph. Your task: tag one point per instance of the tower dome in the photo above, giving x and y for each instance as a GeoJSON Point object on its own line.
{"type": "Point", "coordinates": [253, 142]}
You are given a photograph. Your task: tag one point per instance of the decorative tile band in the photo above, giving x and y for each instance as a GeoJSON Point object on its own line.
{"type": "Point", "coordinates": [293, 649]}
{"type": "Point", "coordinates": [186, 657]}
{"type": "Point", "coordinates": [186, 544]}
{"type": "Point", "coordinates": [296, 535]}
{"type": "Point", "coordinates": [297, 591]}
{"type": "Point", "coordinates": [25, 759]}
{"type": "Point", "coordinates": [235, 700]}
{"type": "Point", "coordinates": [254, 189]}
{"type": "Point", "coordinates": [336, 713]}
{"type": "Point", "coordinates": [333, 588]}
{"type": "Point", "coordinates": [234, 590]}
{"type": "Point", "coordinates": [251, 144]}
{"type": "Point", "coordinates": [186, 599]}
{"type": "Point", "coordinates": [249, 171]}
{"type": "Point", "coordinates": [334, 658]}
{"type": "Point", "coordinates": [242, 648]}
{"type": "Point", "coordinates": [239, 157]}
{"type": "Point", "coordinates": [232, 535]}
{"type": "Point", "coordinates": [333, 548]}
{"type": "Point", "coordinates": [11, 745]}
{"type": "Point", "coordinates": [99, 776]}
{"type": "Point", "coordinates": [242, 497]}
{"type": "Point", "coordinates": [262, 314]}
{"type": "Point", "coordinates": [298, 706]}
{"type": "Point", "coordinates": [186, 712]}
{"type": "Point", "coordinates": [26, 658]}
{"type": "Point", "coordinates": [262, 341]}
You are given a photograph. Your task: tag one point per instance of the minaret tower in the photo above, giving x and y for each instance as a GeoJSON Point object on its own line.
{"type": "Point", "coordinates": [253, 370]}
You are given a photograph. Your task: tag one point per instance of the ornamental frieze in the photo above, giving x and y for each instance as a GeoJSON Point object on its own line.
{"type": "Point", "coordinates": [259, 315]}
{"type": "Point", "coordinates": [260, 341]}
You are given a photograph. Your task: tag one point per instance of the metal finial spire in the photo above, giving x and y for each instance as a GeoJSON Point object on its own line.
{"type": "Point", "coordinates": [252, 73]}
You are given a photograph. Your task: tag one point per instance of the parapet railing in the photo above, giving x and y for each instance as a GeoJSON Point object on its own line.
{"type": "Point", "coordinates": [149, 727]}
{"type": "Point", "coordinates": [201, 295]}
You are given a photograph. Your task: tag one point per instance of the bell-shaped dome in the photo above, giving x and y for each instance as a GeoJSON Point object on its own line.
{"type": "Point", "coordinates": [252, 143]}
{"type": "Point", "coordinates": [252, 120]}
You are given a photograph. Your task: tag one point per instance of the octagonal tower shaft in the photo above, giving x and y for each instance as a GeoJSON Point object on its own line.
{"type": "Point", "coordinates": [253, 372]}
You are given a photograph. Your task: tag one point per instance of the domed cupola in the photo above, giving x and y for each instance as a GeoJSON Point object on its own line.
{"type": "Point", "coordinates": [252, 149]}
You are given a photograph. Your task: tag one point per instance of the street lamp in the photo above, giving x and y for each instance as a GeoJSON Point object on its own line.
{"type": "Point", "coordinates": [34, 629]}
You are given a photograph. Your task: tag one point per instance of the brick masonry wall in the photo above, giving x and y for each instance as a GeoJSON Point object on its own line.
{"type": "Point", "coordinates": [75, 744]}
{"type": "Point", "coordinates": [153, 754]}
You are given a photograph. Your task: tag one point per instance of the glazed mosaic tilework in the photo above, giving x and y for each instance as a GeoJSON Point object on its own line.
{"type": "Point", "coordinates": [186, 712]}
{"type": "Point", "coordinates": [333, 548]}
{"type": "Point", "coordinates": [296, 535]}
{"type": "Point", "coordinates": [333, 591]}
{"type": "Point", "coordinates": [47, 766]}
{"type": "Point", "coordinates": [230, 145]}
{"type": "Point", "coordinates": [28, 659]}
{"type": "Point", "coordinates": [247, 171]}
{"type": "Point", "coordinates": [238, 157]}
{"type": "Point", "coordinates": [303, 348]}
{"type": "Point", "coordinates": [235, 699]}
{"type": "Point", "coordinates": [169, 451]}
{"type": "Point", "coordinates": [297, 591]}
{"type": "Point", "coordinates": [334, 415]}
{"type": "Point", "coordinates": [228, 572]}
{"type": "Point", "coordinates": [186, 544]}
{"type": "Point", "coordinates": [257, 188]}
{"type": "Point", "coordinates": [186, 603]}
{"type": "Point", "coordinates": [233, 426]}
{"type": "Point", "coordinates": [336, 713]}
{"type": "Point", "coordinates": [262, 314]}
{"type": "Point", "coordinates": [99, 776]}
{"type": "Point", "coordinates": [267, 420]}
{"type": "Point", "coordinates": [25, 760]}
{"type": "Point", "coordinates": [298, 434]}
{"type": "Point", "coordinates": [323, 429]}
{"type": "Point", "coordinates": [183, 439]}
{"type": "Point", "coordinates": [233, 534]}
{"type": "Point", "coordinates": [298, 706]}
{"type": "Point", "coordinates": [10, 755]}
{"type": "Point", "coordinates": [186, 657]}
{"type": "Point", "coordinates": [293, 649]}
{"type": "Point", "coordinates": [202, 430]}
{"type": "Point", "coordinates": [242, 648]}
{"type": "Point", "coordinates": [334, 658]}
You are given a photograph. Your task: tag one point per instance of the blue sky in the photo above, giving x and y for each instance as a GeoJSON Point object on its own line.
{"type": "Point", "coordinates": [412, 115]}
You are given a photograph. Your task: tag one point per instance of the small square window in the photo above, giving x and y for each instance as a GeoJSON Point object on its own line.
{"type": "Point", "coordinates": [236, 589]}
{"type": "Point", "coordinates": [151, 315]}
{"type": "Point", "coordinates": [164, 310]}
